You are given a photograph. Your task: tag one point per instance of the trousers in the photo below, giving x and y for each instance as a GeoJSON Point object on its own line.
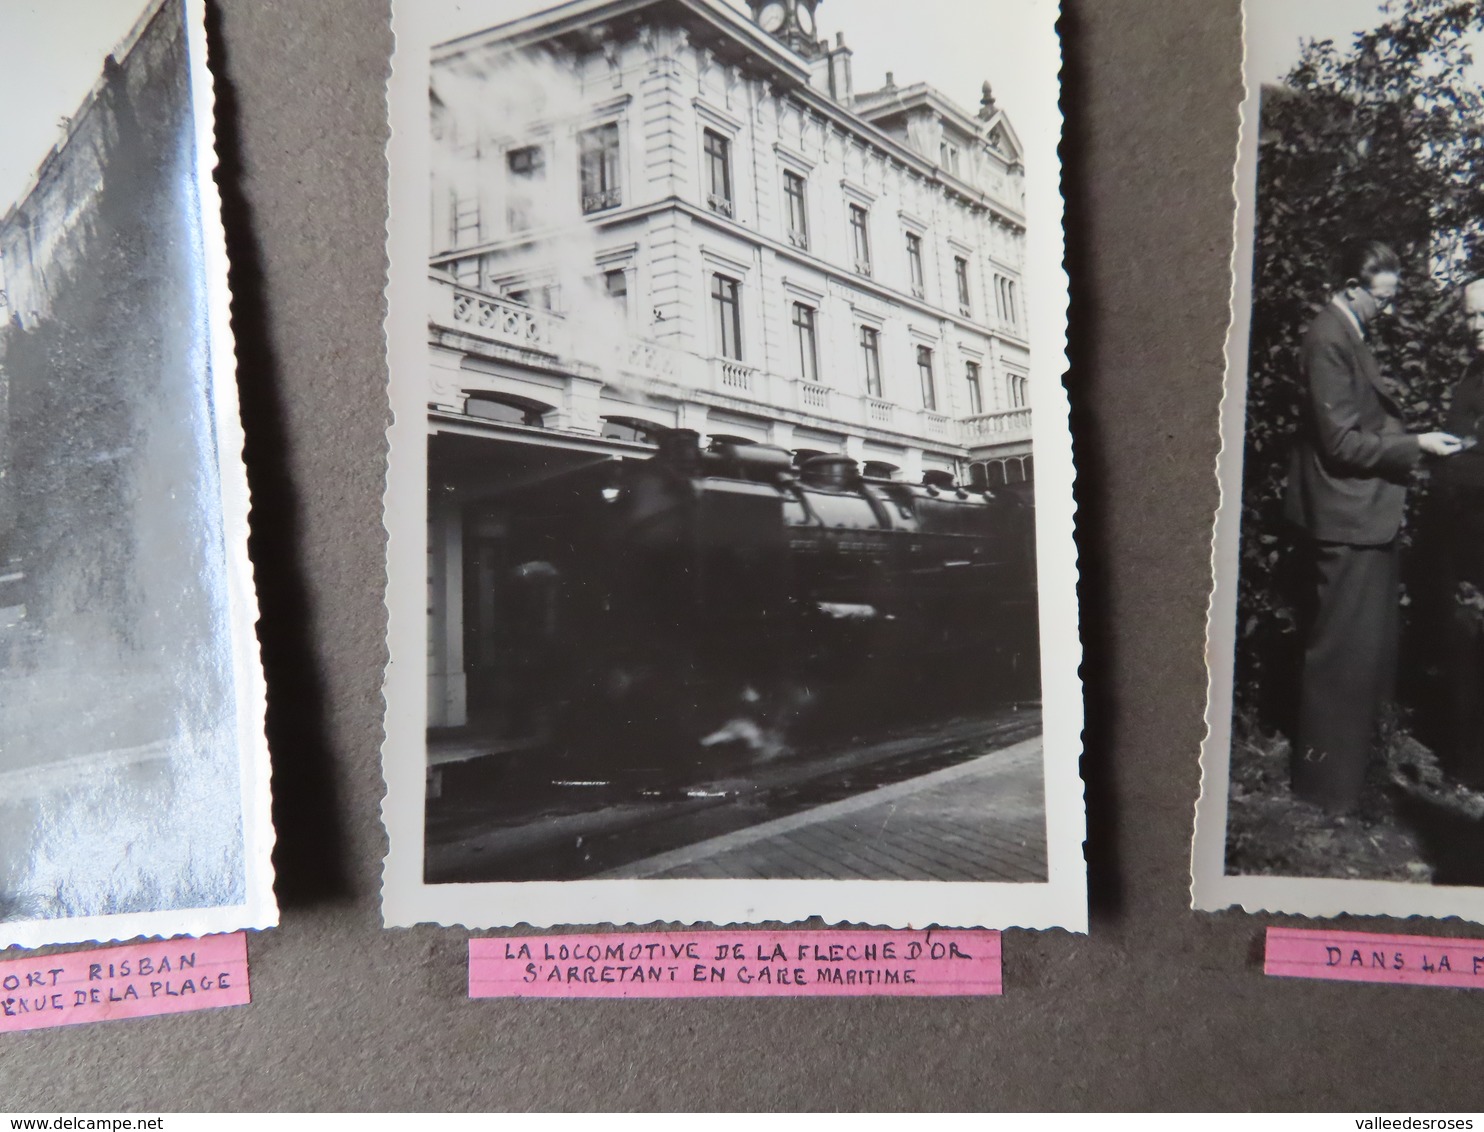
{"type": "Point", "coordinates": [1458, 517]}
{"type": "Point", "coordinates": [1349, 673]}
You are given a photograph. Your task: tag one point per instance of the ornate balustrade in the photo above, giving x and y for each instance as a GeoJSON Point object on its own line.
{"type": "Point", "coordinates": [814, 397]}
{"type": "Point", "coordinates": [1002, 425]}
{"type": "Point", "coordinates": [638, 356]}
{"type": "Point", "coordinates": [477, 315]}
{"type": "Point", "coordinates": [734, 378]}
{"type": "Point", "coordinates": [880, 413]}
{"type": "Point", "coordinates": [603, 199]}
{"type": "Point", "coordinates": [509, 323]}
{"type": "Point", "coordinates": [500, 320]}
{"type": "Point", "coordinates": [935, 424]}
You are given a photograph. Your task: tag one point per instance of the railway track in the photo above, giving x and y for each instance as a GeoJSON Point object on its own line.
{"type": "Point", "coordinates": [522, 826]}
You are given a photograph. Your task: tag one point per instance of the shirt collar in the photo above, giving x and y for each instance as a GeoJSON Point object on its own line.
{"type": "Point", "coordinates": [1350, 314]}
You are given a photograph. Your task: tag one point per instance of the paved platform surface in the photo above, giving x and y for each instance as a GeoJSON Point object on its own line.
{"type": "Point", "coordinates": [983, 820]}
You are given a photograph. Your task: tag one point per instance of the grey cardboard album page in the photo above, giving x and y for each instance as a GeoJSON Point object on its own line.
{"type": "Point", "coordinates": [731, 574]}
{"type": "Point", "coordinates": [1344, 767]}
{"type": "Point", "coordinates": [133, 768]}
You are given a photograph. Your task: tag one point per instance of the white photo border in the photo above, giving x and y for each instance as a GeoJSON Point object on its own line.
{"type": "Point", "coordinates": [1212, 889]}
{"type": "Point", "coordinates": [406, 900]}
{"type": "Point", "coordinates": [259, 908]}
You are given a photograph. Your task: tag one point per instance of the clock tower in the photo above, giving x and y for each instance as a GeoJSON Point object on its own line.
{"type": "Point", "coordinates": [790, 21]}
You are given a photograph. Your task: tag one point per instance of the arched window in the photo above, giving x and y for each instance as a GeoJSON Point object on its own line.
{"type": "Point", "coordinates": [996, 470]}
{"type": "Point", "coordinates": [507, 409]}
{"type": "Point", "coordinates": [631, 429]}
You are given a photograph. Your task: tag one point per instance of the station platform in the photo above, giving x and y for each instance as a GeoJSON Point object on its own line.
{"type": "Point", "coordinates": [982, 820]}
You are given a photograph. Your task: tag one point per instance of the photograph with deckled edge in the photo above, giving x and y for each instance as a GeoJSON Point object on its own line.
{"type": "Point", "coordinates": [1344, 767]}
{"type": "Point", "coordinates": [737, 559]}
{"type": "Point", "coordinates": [133, 767]}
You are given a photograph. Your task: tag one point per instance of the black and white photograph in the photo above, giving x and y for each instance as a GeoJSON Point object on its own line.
{"type": "Point", "coordinates": [729, 500]}
{"type": "Point", "coordinates": [1344, 767]}
{"type": "Point", "coordinates": [133, 769]}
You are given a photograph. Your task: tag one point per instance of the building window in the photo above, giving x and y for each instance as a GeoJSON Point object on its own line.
{"type": "Point", "coordinates": [630, 429]}
{"type": "Point", "coordinates": [507, 410]}
{"type": "Point", "coordinates": [1019, 391]}
{"type": "Point", "coordinates": [948, 157]}
{"type": "Point", "coordinates": [914, 264]}
{"type": "Point", "coordinates": [1005, 301]}
{"type": "Point", "coordinates": [925, 376]}
{"type": "Point", "coordinates": [798, 215]}
{"type": "Point", "coordinates": [525, 169]}
{"type": "Point", "coordinates": [726, 302]}
{"type": "Point", "coordinates": [871, 355]}
{"type": "Point", "coordinates": [961, 276]}
{"type": "Point", "coordinates": [718, 173]}
{"type": "Point", "coordinates": [463, 214]}
{"type": "Point", "coordinates": [808, 342]}
{"type": "Point", "coordinates": [598, 162]}
{"type": "Point", "coordinates": [616, 287]}
{"type": "Point", "coordinates": [463, 193]}
{"type": "Point", "coordinates": [860, 238]}
{"type": "Point", "coordinates": [547, 297]}
{"type": "Point", "coordinates": [976, 394]}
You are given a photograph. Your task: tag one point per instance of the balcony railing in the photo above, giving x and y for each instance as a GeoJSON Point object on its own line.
{"type": "Point", "coordinates": [813, 396]}
{"type": "Point", "coordinates": [934, 424]}
{"type": "Point", "coordinates": [509, 323]}
{"type": "Point", "coordinates": [598, 201]}
{"type": "Point", "coordinates": [1002, 425]}
{"type": "Point", "coordinates": [880, 413]}
{"type": "Point", "coordinates": [733, 377]}
{"type": "Point", "coordinates": [646, 357]}
{"type": "Point", "coordinates": [505, 321]}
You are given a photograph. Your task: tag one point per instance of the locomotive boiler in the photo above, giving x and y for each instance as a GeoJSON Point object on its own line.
{"type": "Point", "coordinates": [737, 597]}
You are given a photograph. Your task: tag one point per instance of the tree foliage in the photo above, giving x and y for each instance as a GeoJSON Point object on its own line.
{"type": "Point", "coordinates": [1382, 139]}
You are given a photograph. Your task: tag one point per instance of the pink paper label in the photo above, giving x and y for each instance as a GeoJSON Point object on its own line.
{"type": "Point", "coordinates": [134, 981]}
{"type": "Point", "coordinates": [1362, 957]}
{"type": "Point", "coordinates": [721, 964]}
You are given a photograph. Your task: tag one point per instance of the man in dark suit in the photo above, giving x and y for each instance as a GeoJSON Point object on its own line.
{"type": "Point", "coordinates": [1347, 487]}
{"type": "Point", "coordinates": [1458, 511]}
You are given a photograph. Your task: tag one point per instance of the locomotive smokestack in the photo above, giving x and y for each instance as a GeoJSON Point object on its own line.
{"type": "Point", "coordinates": [680, 448]}
{"type": "Point", "coordinates": [838, 473]}
{"type": "Point", "coordinates": [938, 478]}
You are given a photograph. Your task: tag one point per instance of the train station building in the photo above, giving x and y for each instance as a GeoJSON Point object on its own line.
{"type": "Point", "coordinates": [660, 214]}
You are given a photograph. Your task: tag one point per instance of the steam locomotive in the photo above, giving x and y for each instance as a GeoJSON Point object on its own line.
{"type": "Point", "coordinates": [734, 596]}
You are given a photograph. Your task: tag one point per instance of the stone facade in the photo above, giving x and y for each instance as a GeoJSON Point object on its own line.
{"type": "Point", "coordinates": [652, 213]}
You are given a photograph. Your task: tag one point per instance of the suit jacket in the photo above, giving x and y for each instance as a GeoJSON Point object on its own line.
{"type": "Point", "coordinates": [1456, 507]}
{"type": "Point", "coordinates": [1465, 420]}
{"type": "Point", "coordinates": [1347, 480]}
